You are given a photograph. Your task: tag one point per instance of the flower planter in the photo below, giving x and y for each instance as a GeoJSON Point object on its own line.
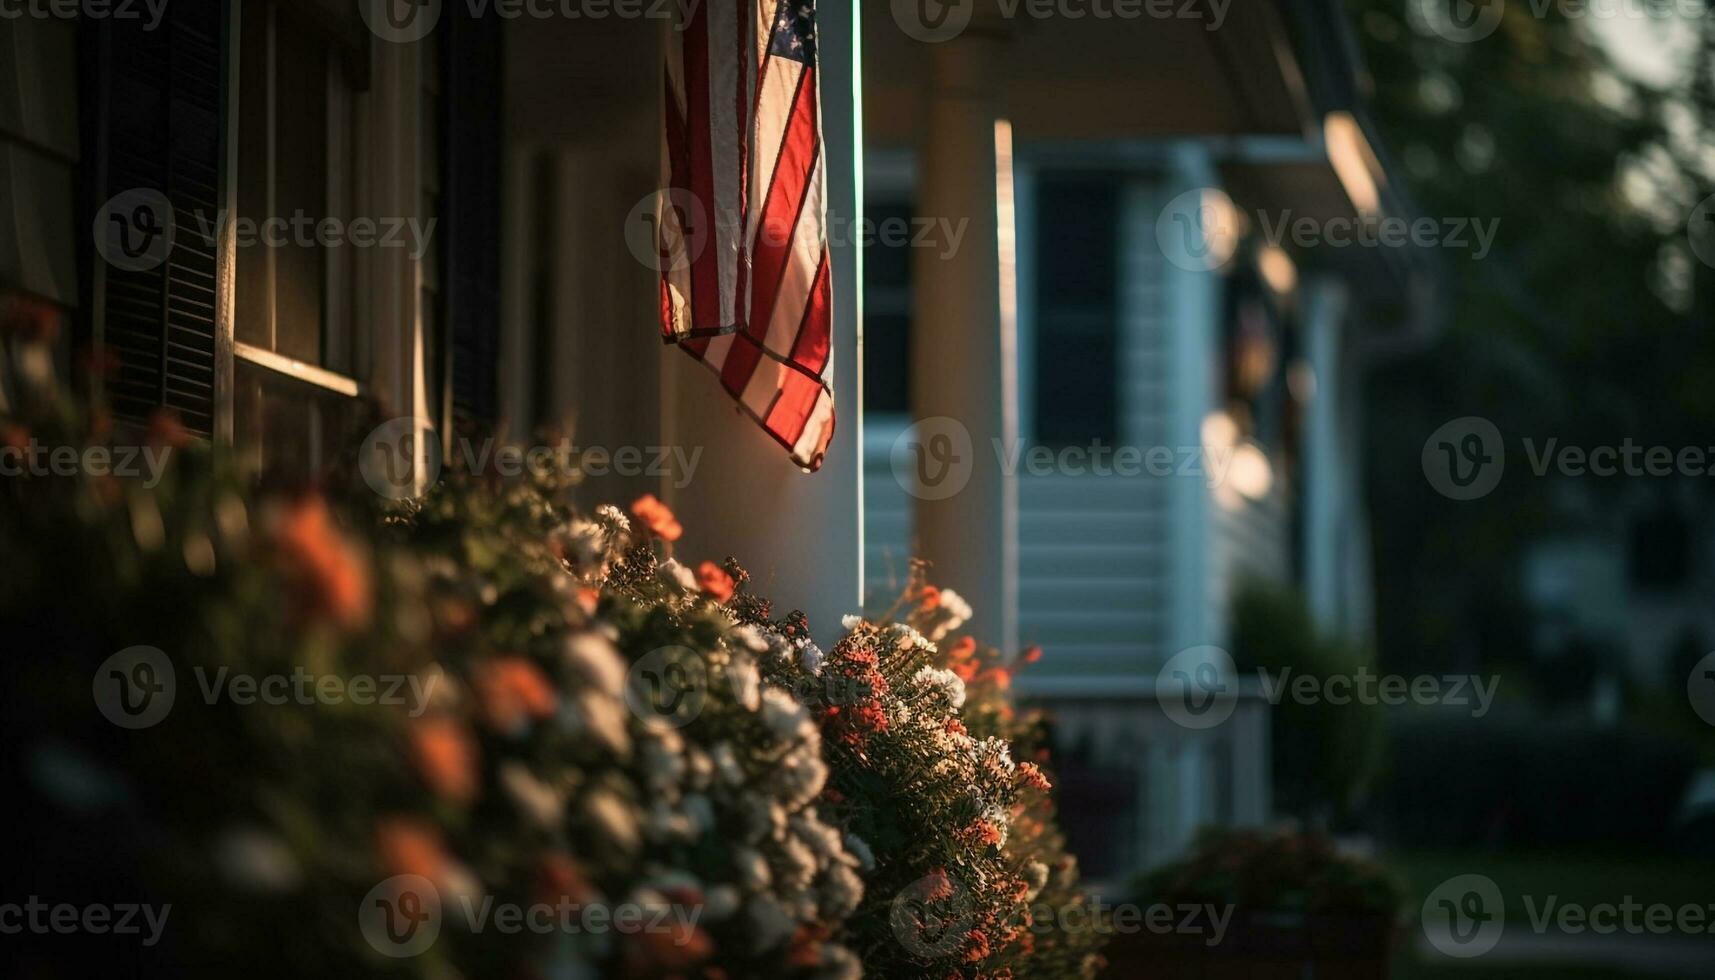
{"type": "Point", "coordinates": [1263, 946]}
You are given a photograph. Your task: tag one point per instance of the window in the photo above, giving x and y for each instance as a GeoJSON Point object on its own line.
{"type": "Point", "coordinates": [887, 311]}
{"type": "Point", "coordinates": [297, 350]}
{"type": "Point", "coordinates": [1077, 310]}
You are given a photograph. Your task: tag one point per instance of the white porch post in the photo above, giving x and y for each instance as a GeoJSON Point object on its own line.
{"type": "Point", "coordinates": [800, 535]}
{"type": "Point", "coordinates": [1324, 483]}
{"type": "Point", "coordinates": [1193, 317]}
{"type": "Point", "coordinates": [390, 278]}
{"type": "Point", "coordinates": [963, 338]}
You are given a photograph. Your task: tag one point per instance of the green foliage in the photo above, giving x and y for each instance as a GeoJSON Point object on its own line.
{"type": "Point", "coordinates": [766, 816]}
{"type": "Point", "coordinates": [1588, 322]}
{"type": "Point", "coordinates": [1325, 756]}
{"type": "Point", "coordinates": [1274, 871]}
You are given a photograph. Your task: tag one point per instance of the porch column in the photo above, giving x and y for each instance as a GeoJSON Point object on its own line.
{"type": "Point", "coordinates": [800, 535]}
{"type": "Point", "coordinates": [964, 388]}
{"type": "Point", "coordinates": [1325, 508]}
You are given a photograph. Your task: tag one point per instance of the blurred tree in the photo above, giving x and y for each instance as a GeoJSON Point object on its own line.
{"type": "Point", "coordinates": [1589, 321]}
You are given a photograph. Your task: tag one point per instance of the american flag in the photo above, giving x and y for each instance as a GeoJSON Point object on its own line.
{"type": "Point", "coordinates": [740, 221]}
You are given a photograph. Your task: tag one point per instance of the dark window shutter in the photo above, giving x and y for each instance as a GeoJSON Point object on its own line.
{"type": "Point", "coordinates": [470, 224]}
{"type": "Point", "coordinates": [157, 100]}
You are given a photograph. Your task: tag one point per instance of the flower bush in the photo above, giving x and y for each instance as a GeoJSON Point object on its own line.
{"type": "Point", "coordinates": [478, 701]}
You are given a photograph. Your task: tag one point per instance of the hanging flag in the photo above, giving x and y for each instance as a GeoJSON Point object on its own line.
{"type": "Point", "coordinates": [741, 222]}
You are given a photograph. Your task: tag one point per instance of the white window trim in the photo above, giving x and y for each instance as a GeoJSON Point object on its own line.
{"type": "Point", "coordinates": [298, 370]}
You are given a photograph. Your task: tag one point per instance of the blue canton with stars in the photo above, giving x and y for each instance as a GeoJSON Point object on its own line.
{"type": "Point", "coordinates": [794, 31]}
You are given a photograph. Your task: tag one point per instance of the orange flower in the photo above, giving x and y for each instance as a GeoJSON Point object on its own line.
{"type": "Point", "coordinates": [983, 832]}
{"type": "Point", "coordinates": [445, 756]}
{"type": "Point", "coordinates": [715, 581]}
{"type": "Point", "coordinates": [15, 436]}
{"type": "Point", "coordinates": [979, 947]}
{"type": "Point", "coordinates": [1032, 654]}
{"type": "Point", "coordinates": [588, 600]}
{"type": "Point", "coordinates": [165, 429]}
{"type": "Point", "coordinates": [1031, 775]}
{"type": "Point", "coordinates": [31, 319]}
{"type": "Point", "coordinates": [670, 951]}
{"type": "Point", "coordinates": [999, 676]}
{"type": "Point", "coordinates": [657, 516]}
{"type": "Point", "coordinates": [512, 691]}
{"type": "Point", "coordinates": [963, 647]}
{"type": "Point", "coordinates": [410, 846]}
{"type": "Point", "coordinates": [560, 878]}
{"type": "Point", "coordinates": [332, 576]}
{"type": "Point", "coordinates": [937, 887]}
{"type": "Point", "coordinates": [929, 597]}
{"type": "Point", "coordinates": [805, 950]}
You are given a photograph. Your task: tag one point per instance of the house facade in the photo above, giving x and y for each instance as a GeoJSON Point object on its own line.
{"type": "Point", "coordinates": [438, 210]}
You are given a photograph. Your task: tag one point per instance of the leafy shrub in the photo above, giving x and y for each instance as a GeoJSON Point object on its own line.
{"type": "Point", "coordinates": [1325, 756]}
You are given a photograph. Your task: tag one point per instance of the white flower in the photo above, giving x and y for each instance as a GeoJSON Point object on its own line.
{"type": "Point", "coordinates": [700, 812]}
{"type": "Point", "coordinates": [613, 517]}
{"type": "Point", "coordinates": [585, 543]}
{"type": "Point", "coordinates": [700, 769]}
{"type": "Point", "coordinates": [995, 751]}
{"type": "Point", "coordinates": [599, 716]}
{"type": "Point", "coordinates": [720, 902]}
{"type": "Point", "coordinates": [810, 656]}
{"type": "Point", "coordinates": [726, 763]}
{"type": "Point", "coordinates": [825, 840]}
{"type": "Point", "coordinates": [842, 891]}
{"type": "Point", "coordinates": [663, 758]}
{"type": "Point", "coordinates": [849, 622]}
{"type": "Point", "coordinates": [786, 718]}
{"type": "Point", "coordinates": [613, 819]}
{"type": "Point", "coordinates": [752, 869]}
{"type": "Point", "coordinates": [750, 638]}
{"type": "Point", "coordinates": [860, 850]}
{"type": "Point", "coordinates": [1036, 876]}
{"type": "Point", "coordinates": [945, 681]}
{"type": "Point", "coordinates": [798, 863]}
{"type": "Point", "coordinates": [802, 774]}
{"type": "Point", "coordinates": [746, 680]}
{"type": "Point", "coordinates": [907, 636]}
{"type": "Point", "coordinates": [838, 963]}
{"type": "Point", "coordinates": [769, 924]}
{"type": "Point", "coordinates": [672, 572]}
{"type": "Point", "coordinates": [663, 823]}
{"type": "Point", "coordinates": [258, 860]}
{"type": "Point", "coordinates": [593, 657]}
{"type": "Point", "coordinates": [540, 802]}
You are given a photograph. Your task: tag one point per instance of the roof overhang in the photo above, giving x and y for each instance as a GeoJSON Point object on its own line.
{"type": "Point", "coordinates": [1167, 74]}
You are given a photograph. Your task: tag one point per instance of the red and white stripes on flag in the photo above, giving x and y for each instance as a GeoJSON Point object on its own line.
{"type": "Point", "coordinates": [741, 220]}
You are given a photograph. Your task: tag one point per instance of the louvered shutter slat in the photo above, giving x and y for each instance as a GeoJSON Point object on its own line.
{"type": "Point", "coordinates": [161, 131]}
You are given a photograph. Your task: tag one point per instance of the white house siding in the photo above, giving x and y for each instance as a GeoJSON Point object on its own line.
{"type": "Point", "coordinates": [1117, 573]}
